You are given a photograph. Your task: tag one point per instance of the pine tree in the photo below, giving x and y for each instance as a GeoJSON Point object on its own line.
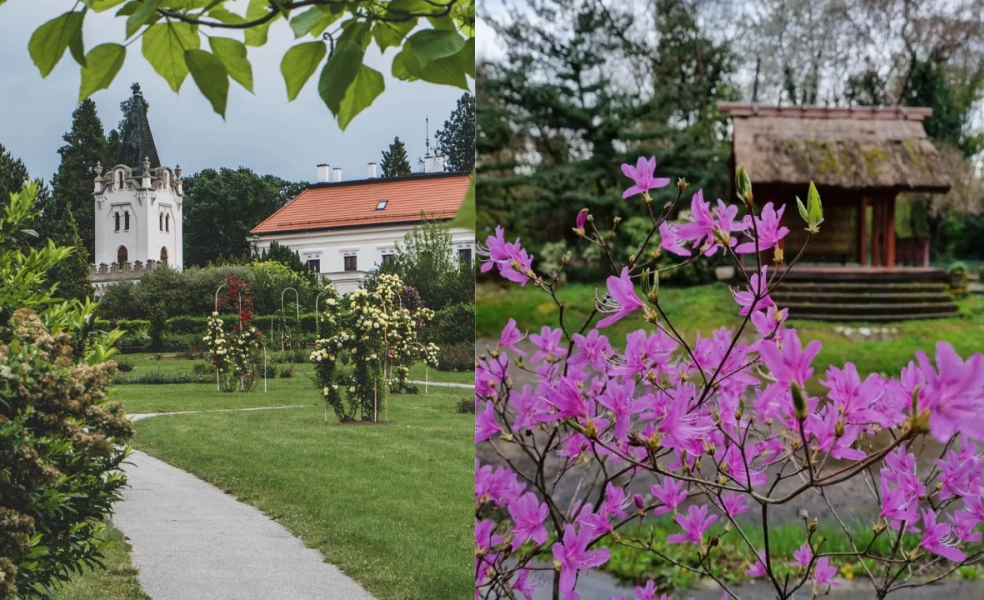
{"type": "Point", "coordinates": [85, 145]}
{"type": "Point", "coordinates": [13, 174]}
{"type": "Point", "coordinates": [456, 140]}
{"type": "Point", "coordinates": [395, 160]}
{"type": "Point", "coordinates": [57, 223]}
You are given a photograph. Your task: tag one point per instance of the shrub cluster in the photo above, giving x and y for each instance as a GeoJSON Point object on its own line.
{"type": "Point", "coordinates": [457, 357]}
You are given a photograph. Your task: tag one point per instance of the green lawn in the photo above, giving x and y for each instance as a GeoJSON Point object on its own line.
{"type": "Point", "coordinates": [391, 505]}
{"type": "Point", "coordinates": [118, 581]}
{"type": "Point", "coordinates": [708, 307]}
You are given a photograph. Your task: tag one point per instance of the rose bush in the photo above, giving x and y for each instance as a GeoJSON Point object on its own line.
{"type": "Point", "coordinates": [719, 433]}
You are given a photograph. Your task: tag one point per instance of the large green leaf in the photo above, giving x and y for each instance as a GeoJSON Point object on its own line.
{"type": "Point", "coordinates": [314, 21]}
{"type": "Point", "coordinates": [164, 46]}
{"type": "Point", "coordinates": [444, 71]}
{"type": "Point", "coordinates": [144, 14]}
{"type": "Point", "coordinates": [48, 42]}
{"type": "Point", "coordinates": [102, 64]}
{"type": "Point", "coordinates": [257, 35]}
{"type": "Point", "coordinates": [466, 213]}
{"type": "Point", "coordinates": [224, 15]}
{"type": "Point", "coordinates": [368, 85]}
{"type": "Point", "coordinates": [390, 35]}
{"type": "Point", "coordinates": [210, 76]}
{"type": "Point", "coordinates": [232, 53]}
{"type": "Point", "coordinates": [299, 64]}
{"type": "Point", "coordinates": [434, 44]}
{"type": "Point", "coordinates": [339, 73]}
{"type": "Point", "coordinates": [76, 47]}
{"type": "Point", "coordinates": [102, 5]}
{"type": "Point", "coordinates": [466, 58]}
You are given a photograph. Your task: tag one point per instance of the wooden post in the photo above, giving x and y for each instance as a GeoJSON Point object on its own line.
{"type": "Point", "coordinates": [876, 233]}
{"type": "Point", "coordinates": [863, 232]}
{"type": "Point", "coordinates": [890, 232]}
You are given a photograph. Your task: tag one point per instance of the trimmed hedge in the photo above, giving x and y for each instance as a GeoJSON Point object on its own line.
{"type": "Point", "coordinates": [452, 325]}
{"type": "Point", "coordinates": [196, 325]}
{"type": "Point", "coordinates": [457, 357]}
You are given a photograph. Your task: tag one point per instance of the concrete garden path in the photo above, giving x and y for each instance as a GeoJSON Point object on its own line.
{"type": "Point", "coordinates": [192, 541]}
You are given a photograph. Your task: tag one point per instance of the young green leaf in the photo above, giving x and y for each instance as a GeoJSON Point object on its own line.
{"type": "Point", "coordinates": [49, 41]}
{"type": "Point", "coordinates": [224, 15]}
{"type": "Point", "coordinates": [232, 53]}
{"type": "Point", "coordinates": [103, 5]}
{"type": "Point", "coordinates": [210, 76]}
{"type": "Point", "coordinates": [434, 44]}
{"type": "Point", "coordinates": [391, 35]}
{"type": "Point", "coordinates": [314, 21]}
{"type": "Point", "coordinates": [339, 73]}
{"type": "Point", "coordinates": [102, 64]}
{"type": "Point", "coordinates": [144, 14]}
{"type": "Point", "coordinates": [164, 46]}
{"type": "Point", "coordinates": [299, 63]}
{"type": "Point", "coordinates": [466, 58]}
{"type": "Point", "coordinates": [76, 47]}
{"type": "Point", "coordinates": [444, 71]}
{"type": "Point", "coordinates": [257, 35]}
{"type": "Point", "coordinates": [368, 85]}
{"type": "Point", "coordinates": [129, 8]}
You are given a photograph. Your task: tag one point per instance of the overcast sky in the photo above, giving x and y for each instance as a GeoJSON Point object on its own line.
{"type": "Point", "coordinates": [263, 131]}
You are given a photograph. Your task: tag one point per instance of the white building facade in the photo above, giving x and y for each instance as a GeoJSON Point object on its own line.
{"type": "Point", "coordinates": [345, 230]}
{"type": "Point", "coordinates": [138, 202]}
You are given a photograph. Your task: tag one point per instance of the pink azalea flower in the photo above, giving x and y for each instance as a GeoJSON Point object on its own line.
{"type": "Point", "coordinates": [582, 220]}
{"type": "Point", "coordinates": [620, 400]}
{"type": "Point", "coordinates": [898, 506]}
{"type": "Point", "coordinates": [510, 337]}
{"type": "Point", "coordinates": [566, 400]}
{"type": "Point", "coordinates": [494, 249]}
{"type": "Point", "coordinates": [643, 176]}
{"type": "Point", "coordinates": [486, 426]}
{"type": "Point", "coordinates": [528, 514]}
{"type": "Point", "coordinates": [803, 556]}
{"type": "Point", "coordinates": [766, 321]}
{"type": "Point", "coordinates": [757, 569]}
{"type": "Point", "coordinates": [523, 586]}
{"type": "Point", "coordinates": [953, 394]}
{"type": "Point", "coordinates": [792, 363]}
{"type": "Point", "coordinates": [733, 504]}
{"type": "Point", "coordinates": [646, 593]}
{"type": "Point", "coordinates": [703, 222]}
{"type": "Point", "coordinates": [694, 524]}
{"type": "Point", "coordinates": [963, 526]}
{"type": "Point", "coordinates": [500, 486]}
{"type": "Point", "coordinates": [824, 572]}
{"type": "Point", "coordinates": [937, 539]}
{"type": "Point", "coordinates": [593, 349]}
{"type": "Point", "coordinates": [769, 229]}
{"type": "Point", "coordinates": [670, 239]}
{"type": "Point", "coordinates": [759, 286]}
{"type": "Point", "coordinates": [548, 344]}
{"type": "Point", "coordinates": [671, 493]}
{"type": "Point", "coordinates": [573, 555]}
{"type": "Point", "coordinates": [621, 300]}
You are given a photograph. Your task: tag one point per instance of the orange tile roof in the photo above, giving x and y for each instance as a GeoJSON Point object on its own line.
{"type": "Point", "coordinates": [350, 204]}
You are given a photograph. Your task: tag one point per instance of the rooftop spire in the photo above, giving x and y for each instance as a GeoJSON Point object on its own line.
{"type": "Point", "coordinates": [138, 142]}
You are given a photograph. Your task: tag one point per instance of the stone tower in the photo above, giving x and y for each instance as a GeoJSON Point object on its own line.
{"type": "Point", "coordinates": [138, 205]}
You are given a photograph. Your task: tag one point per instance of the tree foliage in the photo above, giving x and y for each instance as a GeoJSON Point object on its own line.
{"type": "Point", "coordinates": [395, 160]}
{"type": "Point", "coordinates": [61, 443]}
{"type": "Point", "coordinates": [435, 43]}
{"type": "Point", "coordinates": [456, 140]}
{"type": "Point", "coordinates": [221, 207]}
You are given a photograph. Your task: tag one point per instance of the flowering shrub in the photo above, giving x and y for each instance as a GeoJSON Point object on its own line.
{"type": "Point", "coordinates": [236, 359]}
{"type": "Point", "coordinates": [373, 332]}
{"type": "Point", "coordinates": [719, 433]}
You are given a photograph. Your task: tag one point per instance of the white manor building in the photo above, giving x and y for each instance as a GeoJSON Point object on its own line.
{"type": "Point", "coordinates": [344, 229]}
{"type": "Point", "coordinates": [137, 207]}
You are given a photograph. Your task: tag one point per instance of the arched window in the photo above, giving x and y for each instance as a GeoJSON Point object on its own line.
{"type": "Point", "coordinates": [121, 256]}
{"type": "Point", "coordinates": [126, 220]}
{"type": "Point", "coordinates": [164, 255]}
{"type": "Point", "coordinates": [116, 217]}
{"type": "Point", "coordinates": [119, 179]}
{"type": "Point", "coordinates": [167, 222]}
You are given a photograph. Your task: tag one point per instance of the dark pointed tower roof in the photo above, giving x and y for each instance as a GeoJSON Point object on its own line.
{"type": "Point", "coordinates": [138, 141]}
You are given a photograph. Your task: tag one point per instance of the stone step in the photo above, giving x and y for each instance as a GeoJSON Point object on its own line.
{"type": "Point", "coordinates": [820, 316]}
{"type": "Point", "coordinates": [790, 296]}
{"type": "Point", "coordinates": [869, 287]}
{"type": "Point", "coordinates": [847, 311]}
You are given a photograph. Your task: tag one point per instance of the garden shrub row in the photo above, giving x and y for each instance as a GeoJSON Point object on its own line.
{"type": "Point", "coordinates": [457, 357]}
{"type": "Point", "coordinates": [451, 325]}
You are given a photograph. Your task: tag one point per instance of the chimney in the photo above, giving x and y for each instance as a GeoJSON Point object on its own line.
{"type": "Point", "coordinates": [433, 164]}
{"type": "Point", "coordinates": [338, 174]}
{"type": "Point", "coordinates": [324, 172]}
{"type": "Point", "coordinates": [372, 170]}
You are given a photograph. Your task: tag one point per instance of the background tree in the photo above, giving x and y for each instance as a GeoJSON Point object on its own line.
{"type": "Point", "coordinates": [221, 207]}
{"type": "Point", "coordinates": [395, 161]}
{"type": "Point", "coordinates": [456, 140]}
{"type": "Point", "coordinates": [436, 43]}
{"type": "Point", "coordinates": [288, 258]}
{"type": "Point", "coordinates": [13, 174]}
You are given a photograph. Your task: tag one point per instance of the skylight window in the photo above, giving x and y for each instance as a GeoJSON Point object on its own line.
{"type": "Point", "coordinates": [381, 204]}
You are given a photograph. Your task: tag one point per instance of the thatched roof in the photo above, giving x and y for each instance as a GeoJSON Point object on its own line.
{"type": "Point", "coordinates": [850, 148]}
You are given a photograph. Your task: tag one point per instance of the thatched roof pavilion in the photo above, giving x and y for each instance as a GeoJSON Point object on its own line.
{"type": "Point", "coordinates": [860, 159]}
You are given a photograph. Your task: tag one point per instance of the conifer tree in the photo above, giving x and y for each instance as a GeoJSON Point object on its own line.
{"type": "Point", "coordinates": [456, 140]}
{"type": "Point", "coordinates": [395, 161]}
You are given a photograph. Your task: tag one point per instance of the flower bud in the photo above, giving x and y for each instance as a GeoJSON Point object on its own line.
{"type": "Point", "coordinates": [567, 259]}
{"type": "Point", "coordinates": [682, 184]}
{"type": "Point", "coordinates": [839, 428]}
{"type": "Point", "coordinates": [812, 212]}
{"type": "Point", "coordinates": [813, 525]}
{"type": "Point", "coordinates": [743, 186]}
{"type": "Point", "coordinates": [778, 255]}
{"type": "Point", "coordinates": [616, 221]}
{"type": "Point", "coordinates": [799, 402]}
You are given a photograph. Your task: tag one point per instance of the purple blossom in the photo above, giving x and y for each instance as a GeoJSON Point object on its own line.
{"type": "Point", "coordinates": [671, 493]}
{"type": "Point", "coordinates": [566, 400]}
{"type": "Point", "coordinates": [759, 286]}
{"type": "Point", "coordinates": [694, 524]}
{"type": "Point", "coordinates": [757, 568]}
{"type": "Point", "coordinates": [573, 555]}
{"type": "Point", "coordinates": [791, 364]}
{"type": "Point", "coordinates": [581, 221]}
{"type": "Point", "coordinates": [704, 222]}
{"type": "Point", "coordinates": [803, 556]}
{"type": "Point", "coordinates": [733, 504]}
{"type": "Point", "coordinates": [620, 400]}
{"type": "Point", "coordinates": [548, 344]}
{"type": "Point", "coordinates": [486, 426]}
{"type": "Point", "coordinates": [938, 540]}
{"type": "Point", "coordinates": [523, 586]}
{"type": "Point", "coordinates": [510, 337]}
{"type": "Point", "coordinates": [643, 176]}
{"type": "Point", "coordinates": [592, 349]}
{"type": "Point", "coordinates": [621, 300]}
{"type": "Point", "coordinates": [953, 393]}
{"type": "Point", "coordinates": [670, 239]}
{"type": "Point", "coordinates": [528, 514]}
{"type": "Point", "coordinates": [824, 572]}
{"type": "Point", "coordinates": [769, 229]}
